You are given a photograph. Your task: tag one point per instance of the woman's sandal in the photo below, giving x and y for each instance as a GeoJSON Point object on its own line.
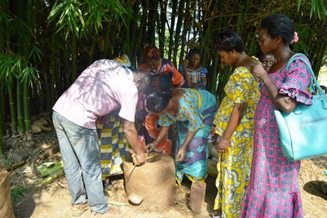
{"type": "Point", "coordinates": [107, 184]}
{"type": "Point", "coordinates": [216, 214]}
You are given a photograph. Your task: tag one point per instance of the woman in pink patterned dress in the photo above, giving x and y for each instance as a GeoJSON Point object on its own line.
{"type": "Point", "coordinates": [273, 189]}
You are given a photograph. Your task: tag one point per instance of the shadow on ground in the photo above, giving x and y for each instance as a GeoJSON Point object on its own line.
{"type": "Point", "coordinates": [317, 188]}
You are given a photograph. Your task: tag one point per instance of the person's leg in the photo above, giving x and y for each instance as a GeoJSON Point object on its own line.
{"type": "Point", "coordinates": [71, 162]}
{"type": "Point", "coordinates": [83, 144]}
{"type": "Point", "coordinates": [90, 164]}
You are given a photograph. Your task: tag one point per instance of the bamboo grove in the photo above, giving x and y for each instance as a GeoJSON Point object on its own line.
{"type": "Point", "coordinates": [45, 44]}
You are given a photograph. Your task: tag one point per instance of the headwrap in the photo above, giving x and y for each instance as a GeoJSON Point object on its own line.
{"type": "Point", "coordinates": [151, 52]}
{"type": "Point", "coordinates": [296, 38]}
{"type": "Point", "coordinates": [123, 60]}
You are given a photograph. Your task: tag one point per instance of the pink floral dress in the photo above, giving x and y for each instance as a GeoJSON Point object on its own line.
{"type": "Point", "coordinates": [273, 189]}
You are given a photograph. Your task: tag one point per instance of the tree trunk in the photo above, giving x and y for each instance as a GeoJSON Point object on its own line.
{"type": "Point", "coordinates": [74, 57]}
{"type": "Point", "coordinates": [2, 117]}
{"type": "Point", "coordinates": [172, 29]}
{"type": "Point", "coordinates": [178, 29]}
{"type": "Point", "coordinates": [13, 112]}
{"type": "Point", "coordinates": [93, 45]}
{"type": "Point", "coordinates": [20, 107]}
{"type": "Point", "coordinates": [162, 26]}
{"type": "Point", "coordinates": [54, 81]}
{"type": "Point", "coordinates": [27, 107]}
{"type": "Point", "coordinates": [2, 93]}
{"type": "Point", "coordinates": [135, 34]}
{"type": "Point", "coordinates": [187, 17]}
{"type": "Point", "coordinates": [152, 18]}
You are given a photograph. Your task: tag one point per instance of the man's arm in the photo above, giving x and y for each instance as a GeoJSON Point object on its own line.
{"type": "Point", "coordinates": [132, 139]}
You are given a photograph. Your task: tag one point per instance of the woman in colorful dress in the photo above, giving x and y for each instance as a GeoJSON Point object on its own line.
{"type": "Point", "coordinates": [149, 130]}
{"type": "Point", "coordinates": [193, 111]}
{"type": "Point", "coordinates": [234, 126]}
{"type": "Point", "coordinates": [114, 148]}
{"type": "Point", "coordinates": [194, 73]}
{"type": "Point", "coordinates": [273, 189]}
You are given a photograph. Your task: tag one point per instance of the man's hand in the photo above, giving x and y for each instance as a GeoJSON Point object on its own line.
{"type": "Point", "coordinates": [138, 159]}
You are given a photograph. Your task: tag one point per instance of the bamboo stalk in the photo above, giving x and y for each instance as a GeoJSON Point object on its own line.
{"type": "Point", "coordinates": [74, 56]}
{"type": "Point", "coordinates": [20, 107]}
{"type": "Point", "coordinates": [2, 106]}
{"type": "Point", "coordinates": [27, 107]}
{"type": "Point", "coordinates": [92, 51]}
{"type": "Point", "coordinates": [13, 113]}
{"type": "Point", "coordinates": [16, 166]}
{"type": "Point", "coordinates": [171, 29]}
{"type": "Point", "coordinates": [178, 29]}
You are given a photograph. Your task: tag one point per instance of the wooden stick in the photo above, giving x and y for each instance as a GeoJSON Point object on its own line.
{"type": "Point", "coordinates": [15, 166]}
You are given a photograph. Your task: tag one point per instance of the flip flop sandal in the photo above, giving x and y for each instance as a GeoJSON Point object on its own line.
{"type": "Point", "coordinates": [108, 185]}
{"type": "Point", "coordinates": [215, 215]}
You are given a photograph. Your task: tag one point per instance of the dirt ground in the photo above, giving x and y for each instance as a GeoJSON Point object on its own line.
{"type": "Point", "coordinates": [53, 200]}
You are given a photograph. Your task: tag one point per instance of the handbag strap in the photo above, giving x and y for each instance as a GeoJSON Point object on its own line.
{"type": "Point", "coordinates": [313, 79]}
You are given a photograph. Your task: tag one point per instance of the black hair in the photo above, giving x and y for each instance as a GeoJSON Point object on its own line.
{"type": "Point", "coordinates": [140, 73]}
{"type": "Point", "coordinates": [259, 53]}
{"type": "Point", "coordinates": [279, 25]}
{"type": "Point", "coordinates": [158, 101]}
{"type": "Point", "coordinates": [159, 82]}
{"type": "Point", "coordinates": [194, 51]}
{"type": "Point", "coordinates": [227, 41]}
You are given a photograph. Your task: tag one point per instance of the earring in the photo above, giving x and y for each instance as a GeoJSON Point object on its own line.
{"type": "Point", "coordinates": [277, 42]}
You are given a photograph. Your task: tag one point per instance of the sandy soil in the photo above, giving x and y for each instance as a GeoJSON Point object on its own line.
{"type": "Point", "coordinates": [53, 200]}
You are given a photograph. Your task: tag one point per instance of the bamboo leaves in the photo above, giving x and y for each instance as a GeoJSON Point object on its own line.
{"type": "Point", "coordinates": [317, 6]}
{"type": "Point", "coordinates": [16, 70]}
{"type": "Point", "coordinates": [70, 16]}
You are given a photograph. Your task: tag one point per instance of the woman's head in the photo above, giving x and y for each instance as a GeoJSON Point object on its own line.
{"type": "Point", "coordinates": [228, 40]}
{"type": "Point", "coordinates": [194, 56]}
{"type": "Point", "coordinates": [228, 44]}
{"type": "Point", "coordinates": [276, 30]}
{"type": "Point", "coordinates": [279, 25]}
{"type": "Point", "coordinates": [158, 101]}
{"type": "Point", "coordinates": [151, 57]}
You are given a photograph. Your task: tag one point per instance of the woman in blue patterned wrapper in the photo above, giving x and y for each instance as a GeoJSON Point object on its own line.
{"type": "Point", "coordinates": [193, 111]}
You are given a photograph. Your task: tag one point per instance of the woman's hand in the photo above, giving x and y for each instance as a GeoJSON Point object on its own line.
{"type": "Point", "coordinates": [150, 147]}
{"type": "Point", "coordinates": [185, 62]}
{"type": "Point", "coordinates": [197, 85]}
{"type": "Point", "coordinates": [258, 71]}
{"type": "Point", "coordinates": [222, 145]}
{"type": "Point", "coordinates": [180, 155]}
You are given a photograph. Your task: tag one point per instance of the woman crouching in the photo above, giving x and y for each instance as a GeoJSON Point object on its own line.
{"type": "Point", "coordinates": [194, 112]}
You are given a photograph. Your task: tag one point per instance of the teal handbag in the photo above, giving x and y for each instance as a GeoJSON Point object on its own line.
{"type": "Point", "coordinates": [302, 131]}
